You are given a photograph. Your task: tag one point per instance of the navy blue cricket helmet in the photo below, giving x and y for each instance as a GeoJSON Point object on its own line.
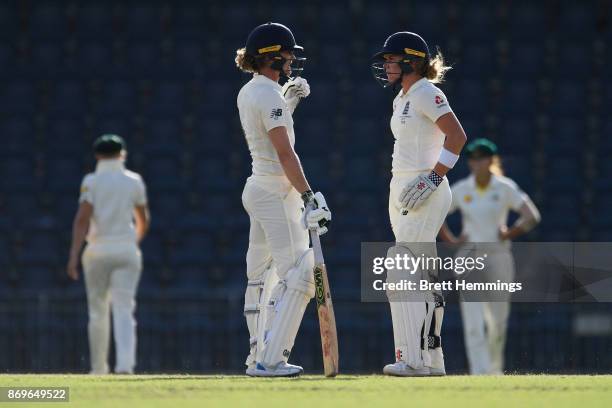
{"type": "Point", "coordinates": [269, 40]}
{"type": "Point", "coordinates": [410, 46]}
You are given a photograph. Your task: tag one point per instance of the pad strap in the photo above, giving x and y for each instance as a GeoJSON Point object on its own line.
{"type": "Point", "coordinates": [432, 342]}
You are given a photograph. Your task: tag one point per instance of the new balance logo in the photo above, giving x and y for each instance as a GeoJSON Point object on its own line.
{"type": "Point", "coordinates": [276, 113]}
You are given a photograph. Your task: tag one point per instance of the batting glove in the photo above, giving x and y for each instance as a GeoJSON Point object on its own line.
{"type": "Point", "coordinates": [294, 90]}
{"type": "Point", "coordinates": [316, 214]}
{"type": "Point", "coordinates": [419, 190]}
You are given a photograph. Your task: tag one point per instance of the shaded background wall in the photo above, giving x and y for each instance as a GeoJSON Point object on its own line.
{"type": "Point", "coordinates": [532, 76]}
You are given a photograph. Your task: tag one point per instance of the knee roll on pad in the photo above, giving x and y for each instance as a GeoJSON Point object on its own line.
{"type": "Point", "coordinates": [300, 277]}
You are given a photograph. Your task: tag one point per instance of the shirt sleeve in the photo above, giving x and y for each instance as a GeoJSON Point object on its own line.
{"type": "Point", "coordinates": [273, 109]}
{"type": "Point", "coordinates": [141, 193]}
{"type": "Point", "coordinates": [433, 103]}
{"type": "Point", "coordinates": [86, 190]}
{"type": "Point", "coordinates": [515, 196]}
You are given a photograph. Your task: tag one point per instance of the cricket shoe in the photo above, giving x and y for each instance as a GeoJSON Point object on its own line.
{"type": "Point", "coordinates": [436, 372]}
{"type": "Point", "coordinates": [282, 369]}
{"type": "Point", "coordinates": [401, 369]}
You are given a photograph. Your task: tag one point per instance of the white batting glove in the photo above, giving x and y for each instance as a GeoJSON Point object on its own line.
{"type": "Point", "coordinates": [418, 190]}
{"type": "Point", "coordinates": [316, 214]}
{"type": "Point", "coordinates": [294, 90]}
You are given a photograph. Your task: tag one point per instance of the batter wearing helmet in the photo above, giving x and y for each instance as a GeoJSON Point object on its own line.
{"type": "Point", "coordinates": [428, 140]}
{"type": "Point", "coordinates": [484, 200]}
{"type": "Point", "coordinates": [114, 215]}
{"type": "Point", "coordinates": [279, 201]}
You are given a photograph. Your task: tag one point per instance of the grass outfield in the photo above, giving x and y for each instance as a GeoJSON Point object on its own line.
{"type": "Point", "coordinates": [178, 391]}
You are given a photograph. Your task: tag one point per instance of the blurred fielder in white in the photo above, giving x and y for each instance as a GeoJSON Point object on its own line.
{"type": "Point", "coordinates": [114, 215]}
{"type": "Point", "coordinates": [484, 200]}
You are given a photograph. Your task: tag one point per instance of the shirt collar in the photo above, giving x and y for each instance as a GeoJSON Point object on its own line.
{"type": "Point", "coordinates": [110, 165]}
{"type": "Point", "coordinates": [474, 186]}
{"type": "Point", "coordinates": [265, 80]}
{"type": "Point", "coordinates": [413, 87]}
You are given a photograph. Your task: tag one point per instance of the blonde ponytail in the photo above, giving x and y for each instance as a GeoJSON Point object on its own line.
{"type": "Point", "coordinates": [496, 166]}
{"type": "Point", "coordinates": [435, 69]}
{"type": "Point", "coordinates": [246, 62]}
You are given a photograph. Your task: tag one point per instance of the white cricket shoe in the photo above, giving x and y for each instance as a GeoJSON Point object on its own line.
{"type": "Point", "coordinates": [401, 369]}
{"type": "Point", "coordinates": [437, 372]}
{"type": "Point", "coordinates": [437, 359]}
{"type": "Point", "coordinates": [282, 369]}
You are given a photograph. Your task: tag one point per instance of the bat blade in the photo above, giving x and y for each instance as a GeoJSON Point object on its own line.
{"type": "Point", "coordinates": [325, 311]}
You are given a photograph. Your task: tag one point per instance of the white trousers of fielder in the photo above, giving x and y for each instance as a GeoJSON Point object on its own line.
{"type": "Point", "coordinates": [416, 323]}
{"type": "Point", "coordinates": [485, 323]}
{"type": "Point", "coordinates": [112, 273]}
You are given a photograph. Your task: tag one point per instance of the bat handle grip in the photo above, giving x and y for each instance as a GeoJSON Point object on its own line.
{"type": "Point", "coordinates": [316, 246]}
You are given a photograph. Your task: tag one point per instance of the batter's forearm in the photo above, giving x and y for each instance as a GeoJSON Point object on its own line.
{"type": "Point", "coordinates": [294, 172]}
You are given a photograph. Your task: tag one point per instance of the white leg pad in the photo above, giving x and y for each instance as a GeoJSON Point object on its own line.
{"type": "Point", "coordinates": [255, 299]}
{"type": "Point", "coordinates": [285, 310]}
{"type": "Point", "coordinates": [408, 314]}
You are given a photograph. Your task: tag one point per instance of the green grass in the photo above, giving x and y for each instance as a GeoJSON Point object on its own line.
{"type": "Point", "coordinates": [178, 391]}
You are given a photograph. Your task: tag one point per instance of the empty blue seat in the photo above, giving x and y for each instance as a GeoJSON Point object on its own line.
{"type": "Point", "coordinates": [48, 21]}
{"type": "Point", "coordinates": [162, 136]}
{"type": "Point", "coordinates": [212, 136]}
{"type": "Point", "coordinates": [519, 97]}
{"type": "Point", "coordinates": [66, 135]}
{"type": "Point", "coordinates": [94, 57]}
{"type": "Point", "coordinates": [570, 98]}
{"type": "Point", "coordinates": [18, 96]}
{"type": "Point", "coordinates": [117, 97]}
{"type": "Point", "coordinates": [64, 175]}
{"type": "Point", "coordinates": [143, 56]}
{"type": "Point", "coordinates": [168, 98]}
{"type": "Point", "coordinates": [69, 96]}
{"type": "Point", "coordinates": [567, 136]}
{"type": "Point", "coordinates": [143, 21]}
{"type": "Point", "coordinates": [115, 125]}
{"type": "Point", "coordinates": [18, 175]}
{"type": "Point", "coordinates": [9, 22]}
{"type": "Point", "coordinates": [189, 56]}
{"type": "Point", "coordinates": [95, 21]}
{"type": "Point", "coordinates": [163, 173]}
{"type": "Point", "coordinates": [18, 136]}
{"type": "Point", "coordinates": [46, 57]}
{"type": "Point", "coordinates": [527, 21]}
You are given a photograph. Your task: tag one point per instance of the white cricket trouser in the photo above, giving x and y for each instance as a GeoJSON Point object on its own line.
{"type": "Point", "coordinates": [112, 272]}
{"type": "Point", "coordinates": [485, 323]}
{"type": "Point", "coordinates": [276, 241]}
{"type": "Point", "coordinates": [412, 320]}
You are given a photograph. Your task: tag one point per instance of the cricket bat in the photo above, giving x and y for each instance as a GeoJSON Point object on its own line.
{"type": "Point", "coordinates": [325, 310]}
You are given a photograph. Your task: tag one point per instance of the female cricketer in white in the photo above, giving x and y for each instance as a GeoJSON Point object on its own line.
{"type": "Point", "coordinates": [279, 201]}
{"type": "Point", "coordinates": [428, 140]}
{"type": "Point", "coordinates": [484, 200]}
{"type": "Point", "coordinates": [114, 214]}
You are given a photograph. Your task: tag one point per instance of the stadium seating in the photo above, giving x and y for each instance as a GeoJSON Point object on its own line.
{"type": "Point", "coordinates": [162, 75]}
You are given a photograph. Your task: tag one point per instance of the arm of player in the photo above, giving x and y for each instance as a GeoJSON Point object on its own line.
{"type": "Point", "coordinates": [142, 217]}
{"type": "Point", "coordinates": [455, 139]}
{"type": "Point", "coordinates": [80, 227]}
{"type": "Point", "coordinates": [288, 158]}
{"type": "Point", "coordinates": [447, 235]}
{"type": "Point", "coordinates": [529, 218]}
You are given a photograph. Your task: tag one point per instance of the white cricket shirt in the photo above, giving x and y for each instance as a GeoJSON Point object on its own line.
{"type": "Point", "coordinates": [262, 108]}
{"type": "Point", "coordinates": [113, 191]}
{"type": "Point", "coordinates": [418, 140]}
{"type": "Point", "coordinates": [484, 211]}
